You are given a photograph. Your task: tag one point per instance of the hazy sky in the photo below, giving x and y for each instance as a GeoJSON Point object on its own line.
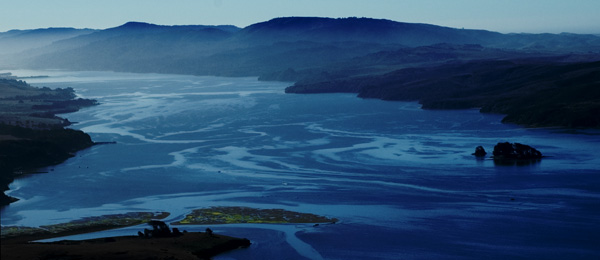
{"type": "Point", "coordinates": [533, 16]}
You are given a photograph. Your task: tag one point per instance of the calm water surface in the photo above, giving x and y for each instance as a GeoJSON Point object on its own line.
{"type": "Point", "coordinates": [401, 180]}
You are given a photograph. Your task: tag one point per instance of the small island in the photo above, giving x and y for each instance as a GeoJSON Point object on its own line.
{"type": "Point", "coordinates": [235, 215]}
{"type": "Point", "coordinates": [509, 154]}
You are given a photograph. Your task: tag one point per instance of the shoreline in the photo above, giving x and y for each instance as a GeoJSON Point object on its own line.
{"type": "Point", "coordinates": [530, 94]}
{"type": "Point", "coordinates": [344, 186]}
{"type": "Point", "coordinates": [28, 242]}
{"type": "Point", "coordinates": [32, 136]}
{"type": "Point", "coordinates": [36, 149]}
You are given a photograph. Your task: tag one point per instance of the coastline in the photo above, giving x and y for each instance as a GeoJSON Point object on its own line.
{"type": "Point", "coordinates": [31, 135]}
{"type": "Point", "coordinates": [531, 94]}
{"type": "Point", "coordinates": [43, 148]}
{"type": "Point", "coordinates": [476, 183]}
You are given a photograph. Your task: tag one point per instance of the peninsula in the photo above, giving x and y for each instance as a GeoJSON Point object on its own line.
{"type": "Point", "coordinates": [31, 135]}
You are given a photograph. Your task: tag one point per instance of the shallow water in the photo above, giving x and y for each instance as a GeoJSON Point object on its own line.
{"type": "Point", "coordinates": [401, 180]}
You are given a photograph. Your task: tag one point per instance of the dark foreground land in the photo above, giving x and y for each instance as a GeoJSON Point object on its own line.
{"type": "Point", "coordinates": [31, 135]}
{"type": "Point", "coordinates": [192, 245]}
{"type": "Point", "coordinates": [159, 242]}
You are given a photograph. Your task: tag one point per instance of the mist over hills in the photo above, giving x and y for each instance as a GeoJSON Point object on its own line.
{"type": "Point", "coordinates": [276, 45]}
{"type": "Point", "coordinates": [16, 41]}
{"type": "Point", "coordinates": [311, 51]}
{"type": "Point", "coordinates": [258, 48]}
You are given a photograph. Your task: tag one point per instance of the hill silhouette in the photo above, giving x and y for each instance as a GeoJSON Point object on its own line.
{"type": "Point", "coordinates": [309, 50]}
{"type": "Point", "coordinates": [294, 42]}
{"type": "Point", "coordinates": [528, 92]}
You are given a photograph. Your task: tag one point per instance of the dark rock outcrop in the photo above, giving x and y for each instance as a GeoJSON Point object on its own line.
{"type": "Point", "coordinates": [479, 151]}
{"type": "Point", "coordinates": [515, 151]}
{"type": "Point", "coordinates": [159, 229]}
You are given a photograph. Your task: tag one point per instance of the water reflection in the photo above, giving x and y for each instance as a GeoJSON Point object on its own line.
{"type": "Point", "coordinates": [516, 162]}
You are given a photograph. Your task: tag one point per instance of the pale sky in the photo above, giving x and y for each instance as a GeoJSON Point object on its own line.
{"type": "Point", "coordinates": [530, 16]}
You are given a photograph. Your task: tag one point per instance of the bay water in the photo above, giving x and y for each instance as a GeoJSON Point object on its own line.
{"type": "Point", "coordinates": [401, 180]}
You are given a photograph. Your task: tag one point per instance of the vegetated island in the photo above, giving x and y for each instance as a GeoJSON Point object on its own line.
{"type": "Point", "coordinates": [31, 135]}
{"type": "Point", "coordinates": [234, 215]}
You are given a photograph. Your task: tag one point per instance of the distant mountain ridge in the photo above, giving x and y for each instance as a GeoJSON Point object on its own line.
{"type": "Point", "coordinates": [408, 34]}
{"type": "Point", "coordinates": [148, 26]}
{"type": "Point", "coordinates": [311, 51]}
{"type": "Point", "coordinates": [16, 41]}
{"type": "Point", "coordinates": [361, 29]}
{"type": "Point", "coordinates": [328, 30]}
{"type": "Point", "coordinates": [265, 47]}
